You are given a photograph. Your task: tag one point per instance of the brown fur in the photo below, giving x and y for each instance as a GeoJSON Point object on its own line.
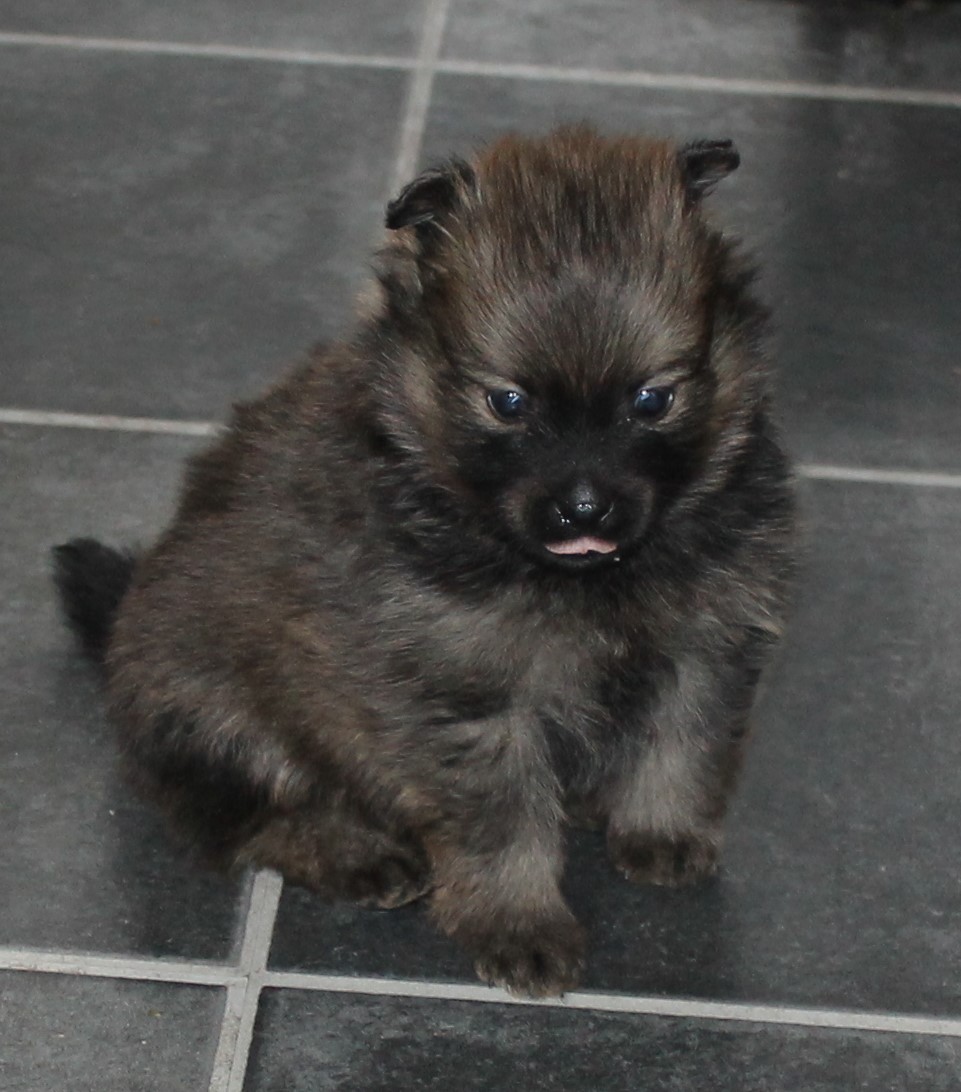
{"type": "Point", "coordinates": [352, 659]}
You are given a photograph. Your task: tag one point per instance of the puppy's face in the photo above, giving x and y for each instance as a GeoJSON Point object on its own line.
{"type": "Point", "coordinates": [561, 364]}
{"type": "Point", "coordinates": [579, 421]}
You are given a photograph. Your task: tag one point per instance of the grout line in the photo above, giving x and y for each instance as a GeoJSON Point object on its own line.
{"type": "Point", "coordinates": [214, 51]}
{"type": "Point", "coordinates": [418, 99]}
{"type": "Point", "coordinates": [243, 997]}
{"type": "Point", "coordinates": [107, 422]}
{"type": "Point", "coordinates": [231, 1026]}
{"type": "Point", "coordinates": [903, 96]}
{"type": "Point", "coordinates": [264, 900]}
{"type": "Point", "coordinates": [245, 984]}
{"type": "Point", "coordinates": [667, 81]}
{"type": "Point", "coordinates": [128, 967]}
{"type": "Point", "coordinates": [744, 1012]}
{"type": "Point", "coordinates": [823, 472]}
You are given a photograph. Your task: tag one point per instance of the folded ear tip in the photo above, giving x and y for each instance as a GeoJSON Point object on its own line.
{"type": "Point", "coordinates": [398, 214]}
{"type": "Point", "coordinates": [704, 163]}
{"type": "Point", "coordinates": [719, 150]}
{"type": "Point", "coordinates": [433, 191]}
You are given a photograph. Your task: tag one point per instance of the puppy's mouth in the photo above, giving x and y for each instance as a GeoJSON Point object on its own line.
{"type": "Point", "coordinates": [586, 552]}
{"type": "Point", "coordinates": [581, 547]}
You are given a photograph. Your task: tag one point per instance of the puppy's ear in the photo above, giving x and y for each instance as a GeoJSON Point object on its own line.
{"type": "Point", "coordinates": [408, 263]}
{"type": "Point", "coordinates": [421, 202]}
{"type": "Point", "coordinates": [704, 163]}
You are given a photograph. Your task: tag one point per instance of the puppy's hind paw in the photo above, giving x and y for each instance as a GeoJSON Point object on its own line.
{"type": "Point", "coordinates": [664, 861]}
{"type": "Point", "coordinates": [339, 858]}
{"type": "Point", "coordinates": [390, 882]}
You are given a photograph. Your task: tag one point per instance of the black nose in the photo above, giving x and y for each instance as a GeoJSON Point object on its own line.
{"type": "Point", "coordinates": [583, 507]}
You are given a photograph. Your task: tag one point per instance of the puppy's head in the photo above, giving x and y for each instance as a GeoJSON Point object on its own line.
{"type": "Point", "coordinates": [569, 349]}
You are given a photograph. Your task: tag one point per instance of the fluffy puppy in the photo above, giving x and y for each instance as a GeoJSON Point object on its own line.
{"type": "Point", "coordinates": [512, 554]}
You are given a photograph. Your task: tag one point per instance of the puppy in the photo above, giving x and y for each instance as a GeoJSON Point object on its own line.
{"type": "Point", "coordinates": [512, 554]}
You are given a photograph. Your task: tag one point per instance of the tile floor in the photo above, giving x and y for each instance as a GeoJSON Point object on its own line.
{"type": "Point", "coordinates": [188, 193]}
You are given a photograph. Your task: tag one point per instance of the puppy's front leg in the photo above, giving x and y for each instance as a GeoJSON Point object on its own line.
{"type": "Point", "coordinates": [665, 809]}
{"type": "Point", "coordinates": [497, 859]}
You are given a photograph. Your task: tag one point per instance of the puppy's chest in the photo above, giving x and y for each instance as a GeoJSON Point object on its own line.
{"type": "Point", "coordinates": [561, 677]}
{"type": "Point", "coordinates": [492, 673]}
{"type": "Point", "coordinates": [577, 696]}
{"type": "Point", "coordinates": [568, 685]}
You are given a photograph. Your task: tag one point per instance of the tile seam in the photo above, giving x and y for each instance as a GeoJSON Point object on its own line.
{"type": "Point", "coordinates": [875, 475]}
{"type": "Point", "coordinates": [88, 964]}
{"type": "Point", "coordinates": [261, 914]}
{"type": "Point", "coordinates": [666, 81]}
{"type": "Point", "coordinates": [209, 51]}
{"type": "Point", "coordinates": [244, 987]}
{"type": "Point", "coordinates": [106, 422]}
{"type": "Point", "coordinates": [629, 1004]}
{"type": "Point", "coordinates": [414, 120]}
{"type": "Point", "coordinates": [231, 1026]}
{"type": "Point", "coordinates": [240, 1009]}
{"type": "Point", "coordinates": [903, 96]}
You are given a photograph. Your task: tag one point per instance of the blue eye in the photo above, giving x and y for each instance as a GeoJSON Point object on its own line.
{"type": "Point", "coordinates": [508, 405]}
{"type": "Point", "coordinates": [653, 402]}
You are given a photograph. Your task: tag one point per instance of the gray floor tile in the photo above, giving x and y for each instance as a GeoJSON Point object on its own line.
{"type": "Point", "coordinates": [340, 938]}
{"type": "Point", "coordinates": [860, 42]}
{"type": "Point", "coordinates": [844, 203]}
{"type": "Point", "coordinates": [85, 865]}
{"type": "Point", "coordinates": [321, 1042]}
{"type": "Point", "coordinates": [840, 883]}
{"type": "Point", "coordinates": [95, 1035]}
{"type": "Point", "coordinates": [374, 26]}
{"type": "Point", "coordinates": [177, 230]}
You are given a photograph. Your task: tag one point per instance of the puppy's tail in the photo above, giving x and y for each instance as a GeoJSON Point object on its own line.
{"type": "Point", "coordinates": [92, 579]}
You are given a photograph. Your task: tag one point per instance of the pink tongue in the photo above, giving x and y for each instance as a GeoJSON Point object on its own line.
{"type": "Point", "coordinates": [585, 545]}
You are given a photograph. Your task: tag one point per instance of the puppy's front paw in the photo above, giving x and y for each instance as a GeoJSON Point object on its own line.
{"type": "Point", "coordinates": [533, 959]}
{"type": "Point", "coordinates": [668, 862]}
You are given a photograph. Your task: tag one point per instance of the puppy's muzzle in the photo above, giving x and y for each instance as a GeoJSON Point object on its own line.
{"type": "Point", "coordinates": [580, 521]}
